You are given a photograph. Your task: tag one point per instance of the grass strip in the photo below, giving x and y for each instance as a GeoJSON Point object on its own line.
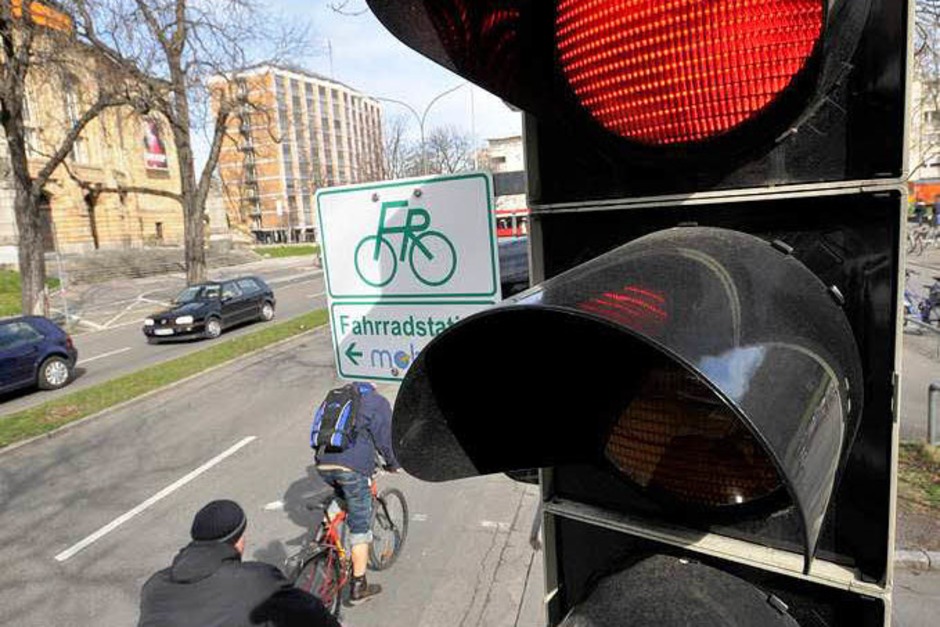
{"type": "Point", "coordinates": [77, 405]}
{"type": "Point", "coordinates": [10, 292]}
{"type": "Point", "coordinates": [919, 476]}
{"type": "Point", "coordinates": [302, 250]}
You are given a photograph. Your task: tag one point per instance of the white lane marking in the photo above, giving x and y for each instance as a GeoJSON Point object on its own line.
{"type": "Point", "coordinates": [103, 355]}
{"type": "Point", "coordinates": [419, 517]}
{"type": "Point", "coordinates": [274, 506]}
{"type": "Point", "coordinates": [123, 518]}
{"type": "Point", "coordinates": [490, 524]}
{"type": "Point", "coordinates": [315, 295]}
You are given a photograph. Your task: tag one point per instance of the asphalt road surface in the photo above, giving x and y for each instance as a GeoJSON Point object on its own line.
{"type": "Point", "coordinates": [119, 346]}
{"type": "Point", "coordinates": [81, 526]}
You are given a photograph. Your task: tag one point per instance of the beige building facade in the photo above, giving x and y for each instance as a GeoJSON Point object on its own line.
{"type": "Point", "coordinates": [293, 133]}
{"type": "Point", "coordinates": [83, 207]}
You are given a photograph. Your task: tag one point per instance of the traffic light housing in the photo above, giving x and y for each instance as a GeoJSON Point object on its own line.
{"type": "Point", "coordinates": [632, 98]}
{"type": "Point", "coordinates": [707, 370]}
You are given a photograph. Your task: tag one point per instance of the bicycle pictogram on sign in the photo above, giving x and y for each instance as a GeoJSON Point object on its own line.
{"type": "Point", "coordinates": [376, 260]}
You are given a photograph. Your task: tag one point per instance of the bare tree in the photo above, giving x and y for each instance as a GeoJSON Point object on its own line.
{"type": "Point", "coordinates": [173, 48]}
{"type": "Point", "coordinates": [926, 101]}
{"type": "Point", "coordinates": [448, 150]}
{"type": "Point", "coordinates": [39, 51]}
{"type": "Point", "coordinates": [399, 153]}
{"type": "Point", "coordinates": [343, 8]}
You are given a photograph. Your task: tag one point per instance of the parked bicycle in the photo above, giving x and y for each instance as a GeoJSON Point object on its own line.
{"type": "Point", "coordinates": [925, 309]}
{"type": "Point", "coordinates": [920, 237]}
{"type": "Point", "coordinates": [323, 565]}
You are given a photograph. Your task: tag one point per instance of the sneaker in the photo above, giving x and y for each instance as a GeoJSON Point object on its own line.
{"type": "Point", "coordinates": [360, 590]}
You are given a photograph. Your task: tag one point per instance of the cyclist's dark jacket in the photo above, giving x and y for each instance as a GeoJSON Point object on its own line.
{"type": "Point", "coordinates": [208, 585]}
{"type": "Point", "coordinates": [373, 425]}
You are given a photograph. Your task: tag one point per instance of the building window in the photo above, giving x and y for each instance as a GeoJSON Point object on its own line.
{"type": "Point", "coordinates": [30, 133]}
{"type": "Point", "coordinates": [73, 101]}
{"type": "Point", "coordinates": [308, 211]}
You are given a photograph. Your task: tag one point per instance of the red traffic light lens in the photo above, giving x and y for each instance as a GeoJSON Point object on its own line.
{"type": "Point", "coordinates": [678, 439]}
{"type": "Point", "coordinates": [677, 71]}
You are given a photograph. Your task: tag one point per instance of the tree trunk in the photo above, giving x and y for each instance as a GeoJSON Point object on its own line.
{"type": "Point", "coordinates": [193, 205]}
{"type": "Point", "coordinates": [194, 239]}
{"type": "Point", "coordinates": [193, 229]}
{"type": "Point", "coordinates": [30, 246]}
{"type": "Point", "coordinates": [32, 253]}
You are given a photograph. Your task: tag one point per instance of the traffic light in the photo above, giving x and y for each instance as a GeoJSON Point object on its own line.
{"type": "Point", "coordinates": [706, 372]}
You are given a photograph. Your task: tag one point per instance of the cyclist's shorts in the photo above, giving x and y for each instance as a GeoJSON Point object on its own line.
{"type": "Point", "coordinates": [354, 488]}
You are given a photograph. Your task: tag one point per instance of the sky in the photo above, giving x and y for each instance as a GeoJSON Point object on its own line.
{"type": "Point", "coordinates": [368, 58]}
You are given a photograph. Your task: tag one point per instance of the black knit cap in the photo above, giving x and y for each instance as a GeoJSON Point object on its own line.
{"type": "Point", "coordinates": [219, 521]}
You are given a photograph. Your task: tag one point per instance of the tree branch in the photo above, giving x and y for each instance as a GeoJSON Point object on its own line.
{"type": "Point", "coordinates": [65, 147]}
{"type": "Point", "coordinates": [97, 188]}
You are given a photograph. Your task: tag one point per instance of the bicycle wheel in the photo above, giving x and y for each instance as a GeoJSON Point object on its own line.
{"type": "Point", "coordinates": [389, 528]}
{"type": "Point", "coordinates": [933, 316]}
{"type": "Point", "coordinates": [321, 575]}
{"type": "Point", "coordinates": [437, 261]}
{"type": "Point", "coordinates": [375, 272]}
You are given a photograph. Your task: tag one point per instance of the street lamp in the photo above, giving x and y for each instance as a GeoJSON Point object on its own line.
{"type": "Point", "coordinates": [422, 118]}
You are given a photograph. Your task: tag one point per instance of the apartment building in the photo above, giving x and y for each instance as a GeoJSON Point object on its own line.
{"type": "Point", "coordinates": [293, 133]}
{"type": "Point", "coordinates": [505, 159]}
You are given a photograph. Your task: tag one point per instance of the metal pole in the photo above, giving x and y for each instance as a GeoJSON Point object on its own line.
{"type": "Point", "coordinates": [422, 118]}
{"type": "Point", "coordinates": [933, 414]}
{"type": "Point", "coordinates": [63, 280]}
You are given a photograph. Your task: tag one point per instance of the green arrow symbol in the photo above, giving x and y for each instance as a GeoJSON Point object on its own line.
{"type": "Point", "coordinates": [352, 354]}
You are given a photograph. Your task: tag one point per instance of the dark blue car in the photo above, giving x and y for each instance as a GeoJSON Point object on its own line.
{"type": "Point", "coordinates": [34, 351]}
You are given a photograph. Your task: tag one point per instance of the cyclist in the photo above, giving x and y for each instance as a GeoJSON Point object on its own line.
{"type": "Point", "coordinates": [349, 472]}
{"type": "Point", "coordinates": [209, 584]}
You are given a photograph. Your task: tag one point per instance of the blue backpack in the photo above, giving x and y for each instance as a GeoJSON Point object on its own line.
{"type": "Point", "coordinates": [334, 423]}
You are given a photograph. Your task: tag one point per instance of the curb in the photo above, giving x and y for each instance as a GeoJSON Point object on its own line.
{"type": "Point", "coordinates": [71, 425]}
{"type": "Point", "coordinates": [917, 559]}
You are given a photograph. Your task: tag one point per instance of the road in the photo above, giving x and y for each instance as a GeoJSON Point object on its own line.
{"type": "Point", "coordinates": [120, 307]}
{"type": "Point", "coordinates": [467, 561]}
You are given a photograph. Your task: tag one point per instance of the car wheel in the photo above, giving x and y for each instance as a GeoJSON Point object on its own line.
{"type": "Point", "coordinates": [267, 312]}
{"type": "Point", "coordinates": [213, 328]}
{"type": "Point", "coordinates": [54, 373]}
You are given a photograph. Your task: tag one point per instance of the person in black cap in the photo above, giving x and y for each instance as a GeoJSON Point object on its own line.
{"type": "Point", "coordinates": [208, 584]}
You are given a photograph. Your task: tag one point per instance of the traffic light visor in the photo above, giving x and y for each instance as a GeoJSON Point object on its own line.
{"type": "Point", "coordinates": [706, 366]}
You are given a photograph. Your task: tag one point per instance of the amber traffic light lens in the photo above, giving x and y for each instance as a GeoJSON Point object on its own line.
{"type": "Point", "coordinates": [678, 439]}
{"type": "Point", "coordinates": [679, 71]}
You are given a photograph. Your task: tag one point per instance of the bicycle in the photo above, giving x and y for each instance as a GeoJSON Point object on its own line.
{"type": "Point", "coordinates": [323, 565]}
{"type": "Point", "coordinates": [916, 240]}
{"type": "Point", "coordinates": [378, 269]}
{"type": "Point", "coordinates": [926, 309]}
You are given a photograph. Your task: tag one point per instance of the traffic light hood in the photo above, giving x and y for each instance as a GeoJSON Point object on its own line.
{"type": "Point", "coordinates": [706, 366]}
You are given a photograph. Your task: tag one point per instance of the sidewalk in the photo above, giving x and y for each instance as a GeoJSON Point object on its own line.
{"type": "Point", "coordinates": [918, 530]}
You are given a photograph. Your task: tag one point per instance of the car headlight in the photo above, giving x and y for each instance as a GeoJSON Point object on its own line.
{"type": "Point", "coordinates": [148, 322]}
{"type": "Point", "coordinates": [184, 320]}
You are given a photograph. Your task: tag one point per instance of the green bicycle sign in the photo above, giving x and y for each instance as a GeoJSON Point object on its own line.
{"type": "Point", "coordinates": [430, 254]}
